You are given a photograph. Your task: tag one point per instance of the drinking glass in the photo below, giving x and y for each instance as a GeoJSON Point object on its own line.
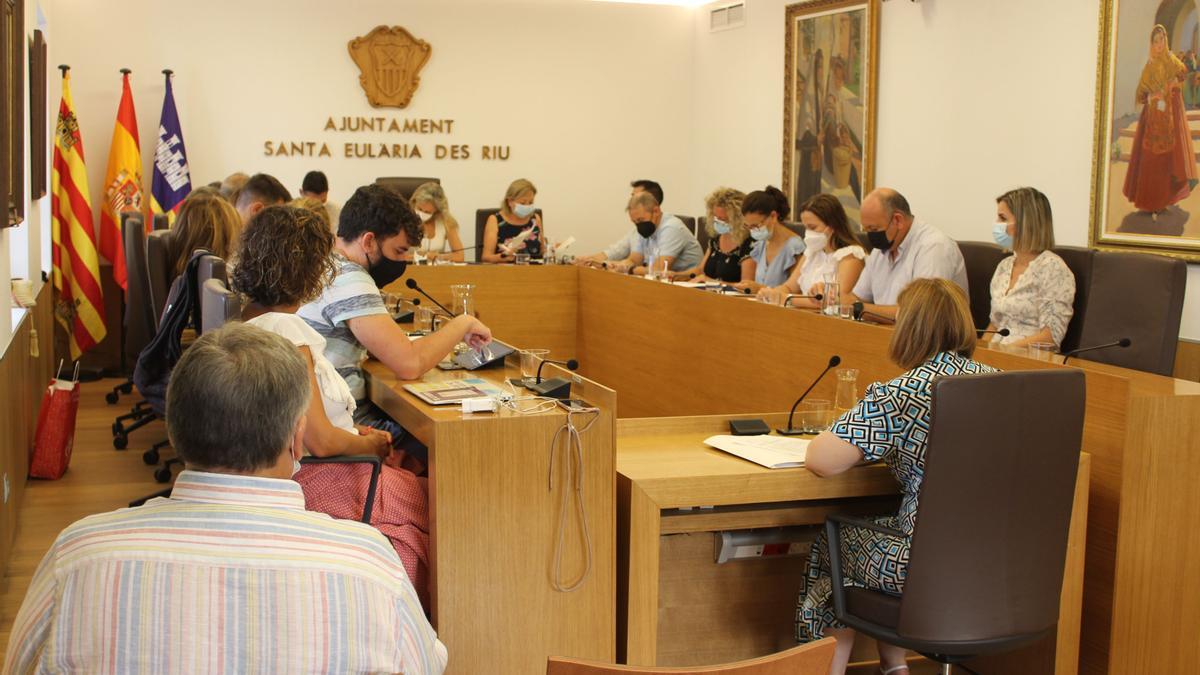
{"type": "Point", "coordinates": [521, 259]}
{"type": "Point", "coordinates": [1042, 350]}
{"type": "Point", "coordinates": [814, 415]}
{"type": "Point", "coordinates": [846, 311]}
{"type": "Point", "coordinates": [423, 319]}
{"type": "Point", "coordinates": [530, 360]}
{"type": "Point", "coordinates": [464, 299]}
{"type": "Point", "coordinates": [846, 395]}
{"type": "Point", "coordinates": [831, 297]}
{"type": "Point", "coordinates": [662, 270]}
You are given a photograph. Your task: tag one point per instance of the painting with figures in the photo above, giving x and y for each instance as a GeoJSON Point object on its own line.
{"type": "Point", "coordinates": [1148, 128]}
{"type": "Point", "coordinates": [829, 93]}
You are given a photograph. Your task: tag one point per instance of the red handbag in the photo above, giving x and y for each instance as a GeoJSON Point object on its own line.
{"type": "Point", "coordinates": [55, 427]}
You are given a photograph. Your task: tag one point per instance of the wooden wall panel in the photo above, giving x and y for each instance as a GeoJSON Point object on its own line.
{"type": "Point", "coordinates": [1187, 360]}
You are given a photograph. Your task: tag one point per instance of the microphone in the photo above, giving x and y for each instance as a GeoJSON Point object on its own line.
{"type": "Point", "coordinates": [858, 313]}
{"type": "Point", "coordinates": [555, 387]}
{"type": "Point", "coordinates": [412, 283]}
{"type": "Point", "coordinates": [834, 362]}
{"type": "Point", "coordinates": [791, 296]}
{"type": "Point", "coordinates": [1122, 343]}
{"type": "Point", "coordinates": [1003, 332]}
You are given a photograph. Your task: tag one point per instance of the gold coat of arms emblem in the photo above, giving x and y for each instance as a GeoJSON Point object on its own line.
{"type": "Point", "coordinates": [390, 62]}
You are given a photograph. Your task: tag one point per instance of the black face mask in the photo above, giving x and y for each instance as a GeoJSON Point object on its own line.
{"type": "Point", "coordinates": [645, 228]}
{"type": "Point", "coordinates": [879, 240]}
{"type": "Point", "coordinates": [385, 270]}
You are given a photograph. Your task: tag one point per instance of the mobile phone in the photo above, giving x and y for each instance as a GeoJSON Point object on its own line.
{"type": "Point", "coordinates": [574, 404]}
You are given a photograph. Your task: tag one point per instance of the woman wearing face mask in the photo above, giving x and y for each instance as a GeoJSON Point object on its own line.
{"type": "Point", "coordinates": [776, 249]}
{"type": "Point", "coordinates": [830, 250]}
{"type": "Point", "coordinates": [517, 228]}
{"type": "Point", "coordinates": [1033, 289]}
{"type": "Point", "coordinates": [441, 240]}
{"type": "Point", "coordinates": [728, 256]}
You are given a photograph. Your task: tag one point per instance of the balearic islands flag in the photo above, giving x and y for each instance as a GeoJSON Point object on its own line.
{"type": "Point", "coordinates": [80, 307]}
{"type": "Point", "coordinates": [172, 181]}
{"type": "Point", "coordinates": [122, 183]}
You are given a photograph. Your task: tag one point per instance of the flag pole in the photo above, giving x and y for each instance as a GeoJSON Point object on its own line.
{"type": "Point", "coordinates": [64, 68]}
{"type": "Point", "coordinates": [126, 71]}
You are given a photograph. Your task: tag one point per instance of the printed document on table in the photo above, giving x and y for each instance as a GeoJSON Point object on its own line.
{"type": "Point", "coordinates": [773, 452]}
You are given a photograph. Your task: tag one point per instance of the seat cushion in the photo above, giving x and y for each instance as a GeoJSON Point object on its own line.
{"type": "Point", "coordinates": [878, 608]}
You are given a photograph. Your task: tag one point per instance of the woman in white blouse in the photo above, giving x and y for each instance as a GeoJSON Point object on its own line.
{"type": "Point", "coordinates": [441, 240]}
{"type": "Point", "coordinates": [1033, 289]}
{"type": "Point", "coordinates": [831, 251]}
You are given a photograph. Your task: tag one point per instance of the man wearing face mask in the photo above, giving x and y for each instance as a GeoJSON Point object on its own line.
{"type": "Point", "coordinates": [375, 231]}
{"type": "Point", "coordinates": [620, 249]}
{"type": "Point", "coordinates": [661, 239]}
{"type": "Point", "coordinates": [903, 249]}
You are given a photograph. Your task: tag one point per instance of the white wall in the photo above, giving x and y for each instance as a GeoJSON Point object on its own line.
{"type": "Point", "coordinates": [974, 98]}
{"type": "Point", "coordinates": [588, 95]}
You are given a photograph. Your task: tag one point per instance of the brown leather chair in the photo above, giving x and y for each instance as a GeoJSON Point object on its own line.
{"type": "Point", "coordinates": [1079, 260]}
{"type": "Point", "coordinates": [1139, 296]}
{"type": "Point", "coordinates": [140, 322]}
{"type": "Point", "coordinates": [809, 659]}
{"type": "Point", "coordinates": [985, 568]}
{"type": "Point", "coordinates": [404, 185]}
{"type": "Point", "coordinates": [796, 228]}
{"type": "Point", "coordinates": [160, 262]}
{"type": "Point", "coordinates": [218, 305]}
{"type": "Point", "coordinates": [481, 218]}
{"type": "Point", "coordinates": [981, 259]}
{"type": "Point", "coordinates": [160, 222]}
{"type": "Point", "coordinates": [689, 222]}
{"type": "Point", "coordinates": [702, 232]}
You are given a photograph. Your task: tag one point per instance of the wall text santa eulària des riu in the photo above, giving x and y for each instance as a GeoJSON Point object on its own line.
{"type": "Point", "coordinates": [380, 149]}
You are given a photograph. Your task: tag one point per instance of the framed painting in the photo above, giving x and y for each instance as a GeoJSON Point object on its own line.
{"type": "Point", "coordinates": [1144, 168]}
{"type": "Point", "coordinates": [831, 71]}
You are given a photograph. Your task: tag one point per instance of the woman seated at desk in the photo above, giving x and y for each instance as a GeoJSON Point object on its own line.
{"type": "Point", "coordinates": [284, 261]}
{"type": "Point", "coordinates": [776, 249]}
{"type": "Point", "coordinates": [728, 256]}
{"type": "Point", "coordinates": [517, 228]}
{"type": "Point", "coordinates": [830, 252]}
{"type": "Point", "coordinates": [206, 220]}
{"type": "Point", "coordinates": [1033, 290]}
{"type": "Point", "coordinates": [934, 337]}
{"type": "Point", "coordinates": [441, 240]}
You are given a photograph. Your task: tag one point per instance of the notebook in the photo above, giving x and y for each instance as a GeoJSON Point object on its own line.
{"type": "Point", "coordinates": [452, 391]}
{"type": "Point", "coordinates": [773, 452]}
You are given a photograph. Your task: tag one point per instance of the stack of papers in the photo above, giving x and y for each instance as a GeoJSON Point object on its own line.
{"type": "Point", "coordinates": [773, 452]}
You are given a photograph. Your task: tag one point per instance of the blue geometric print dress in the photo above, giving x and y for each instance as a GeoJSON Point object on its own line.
{"type": "Point", "coordinates": [890, 423]}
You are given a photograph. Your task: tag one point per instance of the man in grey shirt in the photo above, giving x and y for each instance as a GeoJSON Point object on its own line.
{"type": "Point", "coordinates": [660, 239]}
{"type": "Point", "coordinates": [903, 249]}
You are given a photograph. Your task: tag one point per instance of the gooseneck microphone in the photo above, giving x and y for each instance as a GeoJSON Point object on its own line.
{"type": "Point", "coordinates": [571, 364]}
{"type": "Point", "coordinates": [412, 283]}
{"type": "Point", "coordinates": [795, 296]}
{"type": "Point", "coordinates": [555, 387]}
{"type": "Point", "coordinates": [1122, 343]}
{"type": "Point", "coordinates": [834, 362]}
{"type": "Point", "coordinates": [1003, 332]}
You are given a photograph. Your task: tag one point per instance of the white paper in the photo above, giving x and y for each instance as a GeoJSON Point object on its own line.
{"type": "Point", "coordinates": [773, 452]}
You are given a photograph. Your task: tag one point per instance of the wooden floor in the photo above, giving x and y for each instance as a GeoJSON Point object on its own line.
{"type": "Point", "coordinates": [99, 479]}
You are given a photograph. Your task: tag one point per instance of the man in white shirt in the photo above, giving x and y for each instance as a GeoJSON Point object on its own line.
{"type": "Point", "coordinates": [902, 250]}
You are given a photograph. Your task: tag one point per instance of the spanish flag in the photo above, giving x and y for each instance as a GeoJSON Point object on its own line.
{"type": "Point", "coordinates": [80, 307]}
{"type": "Point", "coordinates": [122, 183]}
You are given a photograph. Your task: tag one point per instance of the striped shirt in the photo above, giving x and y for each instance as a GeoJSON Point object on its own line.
{"type": "Point", "coordinates": [352, 294]}
{"type": "Point", "coordinates": [228, 575]}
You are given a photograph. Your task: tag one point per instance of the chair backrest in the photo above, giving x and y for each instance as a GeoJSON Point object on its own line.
{"type": "Point", "coordinates": [1079, 260]}
{"type": "Point", "coordinates": [160, 259]}
{"type": "Point", "coordinates": [404, 185]}
{"type": "Point", "coordinates": [161, 222]}
{"type": "Point", "coordinates": [702, 232]}
{"type": "Point", "coordinates": [991, 536]}
{"type": "Point", "coordinates": [689, 222]}
{"type": "Point", "coordinates": [218, 305]}
{"type": "Point", "coordinates": [796, 228]}
{"type": "Point", "coordinates": [807, 659]}
{"type": "Point", "coordinates": [140, 322]}
{"type": "Point", "coordinates": [1139, 296]}
{"type": "Point", "coordinates": [211, 267]}
{"type": "Point", "coordinates": [481, 218]}
{"type": "Point", "coordinates": [981, 259]}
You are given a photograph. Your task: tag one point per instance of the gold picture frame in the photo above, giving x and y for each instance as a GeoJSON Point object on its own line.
{"type": "Point", "coordinates": [831, 77]}
{"type": "Point", "coordinates": [1144, 168]}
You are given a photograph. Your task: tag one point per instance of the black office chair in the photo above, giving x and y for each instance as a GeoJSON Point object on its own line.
{"type": "Point", "coordinates": [404, 185]}
{"type": "Point", "coordinates": [481, 218]}
{"type": "Point", "coordinates": [986, 562]}
{"type": "Point", "coordinates": [689, 222]}
{"type": "Point", "coordinates": [981, 258]}
{"type": "Point", "coordinates": [161, 222]}
{"type": "Point", "coordinates": [218, 305]}
{"type": "Point", "coordinates": [160, 265]}
{"type": "Point", "coordinates": [1079, 260]}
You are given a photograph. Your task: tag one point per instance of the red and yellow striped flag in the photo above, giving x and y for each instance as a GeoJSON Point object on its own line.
{"type": "Point", "coordinates": [80, 306]}
{"type": "Point", "coordinates": [122, 183]}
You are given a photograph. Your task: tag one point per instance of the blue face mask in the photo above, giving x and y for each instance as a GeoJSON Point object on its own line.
{"type": "Point", "coordinates": [1001, 236]}
{"type": "Point", "coordinates": [721, 227]}
{"type": "Point", "coordinates": [523, 210]}
{"type": "Point", "coordinates": [759, 234]}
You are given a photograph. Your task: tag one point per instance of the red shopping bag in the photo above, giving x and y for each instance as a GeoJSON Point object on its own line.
{"type": "Point", "coordinates": [55, 428]}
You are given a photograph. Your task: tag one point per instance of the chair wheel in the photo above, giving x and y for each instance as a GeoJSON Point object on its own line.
{"type": "Point", "coordinates": [126, 388]}
{"type": "Point", "coordinates": [150, 457]}
{"type": "Point", "coordinates": [111, 397]}
{"type": "Point", "coordinates": [163, 474]}
{"type": "Point", "coordinates": [120, 441]}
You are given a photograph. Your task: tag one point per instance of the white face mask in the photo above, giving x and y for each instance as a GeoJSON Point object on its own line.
{"type": "Point", "coordinates": [424, 216]}
{"type": "Point", "coordinates": [523, 210]}
{"type": "Point", "coordinates": [760, 233]}
{"type": "Point", "coordinates": [295, 467]}
{"type": "Point", "coordinates": [816, 241]}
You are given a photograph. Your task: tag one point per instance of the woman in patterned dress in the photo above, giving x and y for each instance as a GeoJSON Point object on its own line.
{"type": "Point", "coordinates": [934, 337]}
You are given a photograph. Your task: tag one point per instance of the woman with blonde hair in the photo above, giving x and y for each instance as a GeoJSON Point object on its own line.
{"type": "Point", "coordinates": [440, 240]}
{"type": "Point", "coordinates": [206, 220]}
{"type": "Point", "coordinates": [728, 256]}
{"type": "Point", "coordinates": [517, 228]}
{"type": "Point", "coordinates": [316, 206]}
{"type": "Point", "coordinates": [934, 337]}
{"type": "Point", "coordinates": [1033, 290]}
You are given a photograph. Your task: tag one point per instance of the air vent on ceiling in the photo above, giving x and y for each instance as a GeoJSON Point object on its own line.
{"type": "Point", "coordinates": [726, 17]}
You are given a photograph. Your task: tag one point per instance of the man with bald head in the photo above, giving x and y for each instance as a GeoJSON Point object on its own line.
{"type": "Point", "coordinates": [903, 249]}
